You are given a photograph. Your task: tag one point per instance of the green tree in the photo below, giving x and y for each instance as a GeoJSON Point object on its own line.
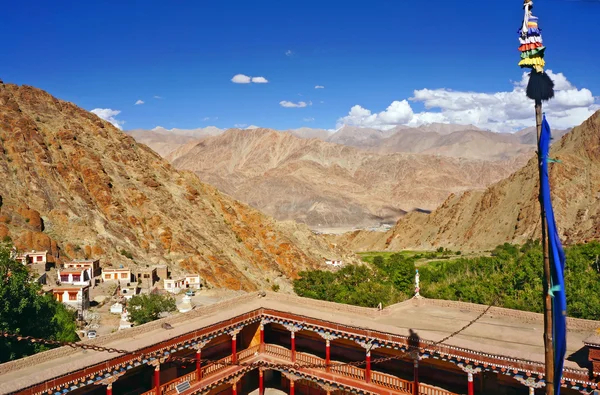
{"type": "Point", "coordinates": [26, 310]}
{"type": "Point", "coordinates": [402, 272]}
{"type": "Point", "coordinates": [146, 308]}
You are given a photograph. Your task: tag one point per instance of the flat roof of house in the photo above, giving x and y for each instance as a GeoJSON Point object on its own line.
{"type": "Point", "coordinates": [69, 287]}
{"type": "Point", "coordinates": [510, 333]}
{"type": "Point", "coordinates": [116, 269]}
{"type": "Point", "coordinates": [83, 261]}
{"type": "Point", "coordinates": [71, 271]}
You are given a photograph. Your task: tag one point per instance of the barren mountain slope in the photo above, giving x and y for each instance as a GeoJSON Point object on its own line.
{"type": "Point", "coordinates": [330, 185]}
{"type": "Point", "coordinates": [77, 186]}
{"type": "Point", "coordinates": [508, 211]}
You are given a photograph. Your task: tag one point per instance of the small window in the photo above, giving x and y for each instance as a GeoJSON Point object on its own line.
{"type": "Point", "coordinates": [40, 258]}
{"type": "Point", "coordinates": [123, 275]}
{"type": "Point", "coordinates": [72, 295]}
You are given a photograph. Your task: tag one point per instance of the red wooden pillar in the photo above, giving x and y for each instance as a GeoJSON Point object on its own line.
{"type": "Point", "coordinates": [109, 389]}
{"type": "Point", "coordinates": [368, 367]}
{"type": "Point", "coordinates": [293, 341]}
{"type": "Point", "coordinates": [416, 378]}
{"type": "Point", "coordinates": [262, 338]}
{"type": "Point", "coordinates": [470, 380]}
{"type": "Point", "coordinates": [234, 388]}
{"type": "Point", "coordinates": [261, 382]}
{"type": "Point", "coordinates": [327, 354]}
{"type": "Point", "coordinates": [199, 364]}
{"type": "Point", "coordinates": [234, 348]}
{"type": "Point", "coordinates": [157, 379]}
{"type": "Point", "coordinates": [292, 388]}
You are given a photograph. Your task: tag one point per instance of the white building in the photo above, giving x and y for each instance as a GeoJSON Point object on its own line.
{"type": "Point", "coordinates": [174, 285]}
{"type": "Point", "coordinates": [74, 276]}
{"type": "Point", "coordinates": [73, 296]}
{"type": "Point", "coordinates": [334, 263]}
{"type": "Point", "coordinates": [120, 274]}
{"type": "Point", "coordinates": [33, 257]}
{"type": "Point", "coordinates": [188, 281]}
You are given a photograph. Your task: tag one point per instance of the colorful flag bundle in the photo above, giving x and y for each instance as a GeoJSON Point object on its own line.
{"type": "Point", "coordinates": [540, 87]}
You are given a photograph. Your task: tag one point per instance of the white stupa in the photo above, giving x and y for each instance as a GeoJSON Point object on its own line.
{"type": "Point", "coordinates": [185, 305]}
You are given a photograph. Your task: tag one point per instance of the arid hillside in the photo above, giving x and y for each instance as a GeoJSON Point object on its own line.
{"type": "Point", "coordinates": [330, 185]}
{"type": "Point", "coordinates": [75, 185]}
{"type": "Point", "coordinates": [508, 211]}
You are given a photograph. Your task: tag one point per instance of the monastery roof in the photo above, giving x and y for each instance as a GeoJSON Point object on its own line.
{"type": "Point", "coordinates": [594, 339]}
{"type": "Point", "coordinates": [501, 332]}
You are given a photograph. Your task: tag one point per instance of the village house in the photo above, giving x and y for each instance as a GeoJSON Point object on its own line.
{"type": "Point", "coordinates": [334, 263]}
{"type": "Point", "coordinates": [146, 277]}
{"type": "Point", "coordinates": [187, 281]}
{"type": "Point", "coordinates": [192, 281]}
{"type": "Point", "coordinates": [174, 285]}
{"type": "Point", "coordinates": [77, 297]}
{"type": "Point", "coordinates": [72, 276]}
{"type": "Point", "coordinates": [38, 257]}
{"type": "Point", "coordinates": [93, 264]}
{"type": "Point", "coordinates": [116, 274]}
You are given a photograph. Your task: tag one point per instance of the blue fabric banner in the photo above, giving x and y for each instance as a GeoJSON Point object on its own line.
{"type": "Point", "coordinates": [557, 264]}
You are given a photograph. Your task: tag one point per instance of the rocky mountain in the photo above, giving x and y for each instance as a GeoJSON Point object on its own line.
{"type": "Point", "coordinates": [529, 135]}
{"type": "Point", "coordinates": [330, 185]}
{"type": "Point", "coordinates": [309, 133]}
{"type": "Point", "coordinates": [508, 211]}
{"type": "Point", "coordinates": [164, 141]}
{"type": "Point", "coordinates": [468, 143]}
{"type": "Point", "coordinates": [78, 187]}
{"type": "Point", "coordinates": [354, 136]}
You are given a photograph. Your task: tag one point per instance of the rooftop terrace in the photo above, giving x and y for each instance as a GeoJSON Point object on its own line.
{"type": "Point", "coordinates": [509, 333]}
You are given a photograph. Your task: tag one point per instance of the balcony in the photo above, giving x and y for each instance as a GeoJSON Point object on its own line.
{"type": "Point", "coordinates": [346, 374]}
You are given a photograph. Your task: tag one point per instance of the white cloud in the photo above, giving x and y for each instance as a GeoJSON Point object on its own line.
{"type": "Point", "coordinates": [289, 52]}
{"type": "Point", "coordinates": [137, 103]}
{"type": "Point", "coordinates": [244, 79]}
{"type": "Point", "coordinates": [289, 104]}
{"type": "Point", "coordinates": [319, 87]}
{"type": "Point", "coordinates": [308, 119]}
{"type": "Point", "coordinates": [109, 115]}
{"type": "Point", "coordinates": [241, 79]}
{"type": "Point", "coordinates": [259, 80]}
{"type": "Point", "coordinates": [240, 125]}
{"type": "Point", "coordinates": [157, 97]}
{"type": "Point", "coordinates": [206, 119]}
{"type": "Point", "coordinates": [500, 111]}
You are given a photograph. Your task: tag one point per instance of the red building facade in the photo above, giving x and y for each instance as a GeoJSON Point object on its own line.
{"type": "Point", "coordinates": [296, 345]}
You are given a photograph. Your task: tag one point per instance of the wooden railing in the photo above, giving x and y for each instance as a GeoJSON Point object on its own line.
{"type": "Point", "coordinates": [307, 358]}
{"type": "Point", "coordinates": [425, 389]}
{"type": "Point", "coordinates": [217, 366]}
{"type": "Point", "coordinates": [278, 351]}
{"type": "Point", "coordinates": [353, 372]}
{"type": "Point", "coordinates": [389, 381]}
{"type": "Point", "coordinates": [348, 371]}
{"type": "Point", "coordinates": [247, 353]}
{"type": "Point", "coordinates": [169, 388]}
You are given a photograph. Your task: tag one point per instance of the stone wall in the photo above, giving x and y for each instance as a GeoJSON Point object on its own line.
{"type": "Point", "coordinates": [576, 324]}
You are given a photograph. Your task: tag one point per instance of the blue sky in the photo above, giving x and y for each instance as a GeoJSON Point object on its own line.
{"type": "Point", "coordinates": [109, 54]}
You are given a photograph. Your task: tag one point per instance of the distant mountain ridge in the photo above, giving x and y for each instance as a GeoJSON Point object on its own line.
{"type": "Point", "coordinates": [457, 141]}
{"type": "Point", "coordinates": [508, 211]}
{"type": "Point", "coordinates": [330, 185]}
